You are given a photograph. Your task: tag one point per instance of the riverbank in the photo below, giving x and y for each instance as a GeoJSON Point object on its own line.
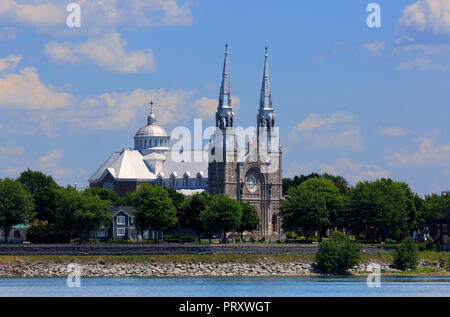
{"type": "Point", "coordinates": [197, 265]}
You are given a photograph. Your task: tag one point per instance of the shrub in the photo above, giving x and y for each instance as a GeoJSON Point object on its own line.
{"type": "Point", "coordinates": [290, 235]}
{"type": "Point", "coordinates": [406, 255]}
{"type": "Point", "coordinates": [44, 232]}
{"type": "Point", "coordinates": [338, 253]}
{"type": "Point", "coordinates": [189, 239]}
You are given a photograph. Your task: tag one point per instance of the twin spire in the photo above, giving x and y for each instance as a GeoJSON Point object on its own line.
{"type": "Point", "coordinates": [225, 86]}
{"type": "Point", "coordinates": [224, 113]}
{"type": "Point", "coordinates": [265, 101]}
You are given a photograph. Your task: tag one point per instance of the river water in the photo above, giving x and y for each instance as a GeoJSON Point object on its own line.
{"type": "Point", "coordinates": [229, 286]}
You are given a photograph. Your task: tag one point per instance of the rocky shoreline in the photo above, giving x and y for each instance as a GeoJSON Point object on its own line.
{"type": "Point", "coordinates": [102, 269]}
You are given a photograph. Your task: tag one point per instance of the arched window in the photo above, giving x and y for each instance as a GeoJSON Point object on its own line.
{"type": "Point", "coordinates": [199, 180]}
{"type": "Point", "coordinates": [185, 180]}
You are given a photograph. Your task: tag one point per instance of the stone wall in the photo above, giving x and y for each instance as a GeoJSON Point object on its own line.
{"type": "Point", "coordinates": [135, 249]}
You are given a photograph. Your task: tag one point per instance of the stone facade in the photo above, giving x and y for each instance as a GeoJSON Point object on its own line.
{"type": "Point", "coordinates": [254, 173]}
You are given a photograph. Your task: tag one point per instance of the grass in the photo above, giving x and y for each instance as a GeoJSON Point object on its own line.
{"type": "Point", "coordinates": [429, 256]}
{"type": "Point", "coordinates": [160, 258]}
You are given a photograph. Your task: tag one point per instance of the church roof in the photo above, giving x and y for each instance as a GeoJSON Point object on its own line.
{"type": "Point", "coordinates": [125, 165]}
{"type": "Point", "coordinates": [188, 166]}
{"type": "Point", "coordinates": [151, 130]}
{"type": "Point", "coordinates": [130, 165]}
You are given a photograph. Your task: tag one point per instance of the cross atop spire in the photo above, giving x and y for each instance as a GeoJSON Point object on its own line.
{"type": "Point", "coordinates": [151, 119]}
{"type": "Point", "coordinates": [265, 101]}
{"type": "Point", "coordinates": [225, 86]}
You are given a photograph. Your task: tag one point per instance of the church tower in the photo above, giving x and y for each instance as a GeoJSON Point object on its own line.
{"type": "Point", "coordinates": [268, 159]}
{"type": "Point", "coordinates": [222, 176]}
{"type": "Point", "coordinates": [256, 177]}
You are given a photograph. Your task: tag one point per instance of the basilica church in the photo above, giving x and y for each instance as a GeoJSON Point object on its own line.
{"type": "Point", "coordinates": [243, 164]}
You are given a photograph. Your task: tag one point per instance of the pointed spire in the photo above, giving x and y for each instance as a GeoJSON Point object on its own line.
{"type": "Point", "coordinates": [225, 86]}
{"type": "Point", "coordinates": [151, 119]}
{"type": "Point", "coordinates": [265, 101]}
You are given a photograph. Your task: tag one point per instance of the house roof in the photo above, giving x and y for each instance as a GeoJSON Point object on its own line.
{"type": "Point", "coordinates": [127, 209]}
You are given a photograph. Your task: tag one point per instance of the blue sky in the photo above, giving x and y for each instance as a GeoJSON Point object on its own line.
{"type": "Point", "coordinates": [351, 100]}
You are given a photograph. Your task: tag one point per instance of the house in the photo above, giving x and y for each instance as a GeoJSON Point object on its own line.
{"type": "Point", "coordinates": [121, 226]}
{"type": "Point", "coordinates": [18, 234]}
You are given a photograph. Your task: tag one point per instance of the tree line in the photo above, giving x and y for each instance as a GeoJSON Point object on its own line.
{"type": "Point", "coordinates": [59, 214]}
{"type": "Point", "coordinates": [373, 211]}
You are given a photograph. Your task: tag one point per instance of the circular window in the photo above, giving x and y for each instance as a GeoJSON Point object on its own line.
{"type": "Point", "coordinates": [251, 183]}
{"type": "Point", "coordinates": [108, 185]}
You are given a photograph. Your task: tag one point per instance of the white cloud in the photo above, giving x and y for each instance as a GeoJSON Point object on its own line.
{"type": "Point", "coordinates": [96, 15]}
{"type": "Point", "coordinates": [339, 131]}
{"type": "Point", "coordinates": [375, 47]}
{"type": "Point", "coordinates": [8, 152]}
{"type": "Point", "coordinates": [25, 90]}
{"type": "Point", "coordinates": [352, 171]}
{"type": "Point", "coordinates": [9, 62]}
{"type": "Point", "coordinates": [112, 110]}
{"type": "Point", "coordinates": [50, 160]}
{"type": "Point", "coordinates": [427, 15]}
{"type": "Point", "coordinates": [427, 155]}
{"type": "Point", "coordinates": [206, 108]}
{"type": "Point", "coordinates": [419, 63]}
{"type": "Point", "coordinates": [32, 14]}
{"type": "Point", "coordinates": [49, 164]}
{"type": "Point", "coordinates": [425, 27]}
{"type": "Point", "coordinates": [107, 52]}
{"type": "Point", "coordinates": [392, 131]}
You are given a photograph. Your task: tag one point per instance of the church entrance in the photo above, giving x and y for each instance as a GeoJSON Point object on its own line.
{"type": "Point", "coordinates": [274, 224]}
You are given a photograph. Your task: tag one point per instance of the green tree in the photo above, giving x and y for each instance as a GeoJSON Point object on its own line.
{"type": "Point", "coordinates": [79, 213]}
{"type": "Point", "coordinates": [176, 197]}
{"type": "Point", "coordinates": [438, 206]}
{"type": "Point", "coordinates": [190, 211]}
{"type": "Point", "coordinates": [338, 253]}
{"type": "Point", "coordinates": [154, 209]}
{"type": "Point", "coordinates": [337, 180]}
{"type": "Point", "coordinates": [296, 181]}
{"type": "Point", "coordinates": [129, 199]}
{"type": "Point", "coordinates": [92, 214]}
{"type": "Point", "coordinates": [381, 209]}
{"type": "Point", "coordinates": [42, 187]}
{"type": "Point", "coordinates": [104, 194]}
{"type": "Point", "coordinates": [406, 255]}
{"type": "Point", "coordinates": [222, 214]}
{"type": "Point", "coordinates": [16, 205]}
{"type": "Point", "coordinates": [315, 205]}
{"type": "Point", "coordinates": [250, 219]}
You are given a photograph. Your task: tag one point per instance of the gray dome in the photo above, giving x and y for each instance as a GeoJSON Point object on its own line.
{"type": "Point", "coordinates": [151, 130]}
